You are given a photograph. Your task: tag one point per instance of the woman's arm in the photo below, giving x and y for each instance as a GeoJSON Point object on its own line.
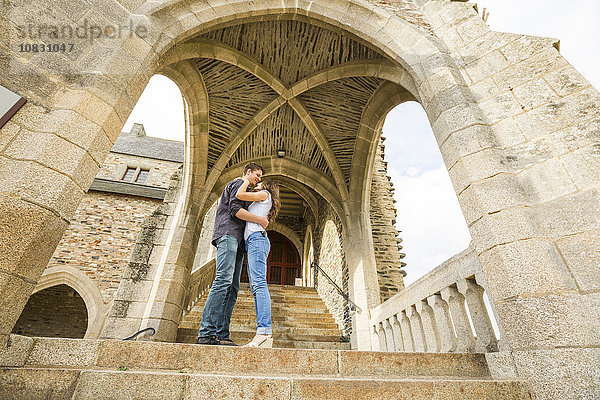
{"type": "Point", "coordinates": [250, 196]}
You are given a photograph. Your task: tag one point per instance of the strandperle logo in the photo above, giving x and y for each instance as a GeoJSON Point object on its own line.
{"type": "Point", "coordinates": [84, 31]}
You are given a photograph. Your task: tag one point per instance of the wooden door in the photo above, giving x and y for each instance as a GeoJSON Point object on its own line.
{"type": "Point", "coordinates": [283, 263]}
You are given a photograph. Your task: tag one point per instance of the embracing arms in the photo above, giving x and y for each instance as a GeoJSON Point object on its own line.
{"type": "Point", "coordinates": [250, 196]}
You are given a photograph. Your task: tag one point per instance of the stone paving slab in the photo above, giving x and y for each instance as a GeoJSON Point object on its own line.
{"type": "Point", "coordinates": [28, 383]}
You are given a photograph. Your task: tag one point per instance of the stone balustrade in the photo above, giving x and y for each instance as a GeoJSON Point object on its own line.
{"type": "Point", "coordinates": [200, 283]}
{"type": "Point", "coordinates": [442, 312]}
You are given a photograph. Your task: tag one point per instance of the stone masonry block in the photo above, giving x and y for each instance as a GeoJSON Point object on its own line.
{"type": "Point", "coordinates": [482, 67]}
{"type": "Point", "coordinates": [15, 293]}
{"type": "Point", "coordinates": [40, 185]}
{"type": "Point", "coordinates": [16, 351]}
{"type": "Point", "coordinates": [559, 114]}
{"type": "Point", "coordinates": [505, 226]}
{"type": "Point", "coordinates": [534, 93]}
{"type": "Point", "coordinates": [500, 107]}
{"type": "Point", "coordinates": [491, 195]}
{"type": "Point", "coordinates": [525, 267]}
{"type": "Point", "coordinates": [98, 385]}
{"type": "Point", "coordinates": [583, 165]}
{"type": "Point", "coordinates": [467, 141]}
{"type": "Point", "coordinates": [546, 181]}
{"type": "Point", "coordinates": [526, 47]}
{"type": "Point", "coordinates": [234, 388]}
{"type": "Point", "coordinates": [53, 151]}
{"type": "Point", "coordinates": [51, 384]}
{"type": "Point", "coordinates": [7, 133]}
{"type": "Point", "coordinates": [566, 80]}
{"type": "Point", "coordinates": [581, 252]}
{"type": "Point", "coordinates": [63, 352]}
{"type": "Point", "coordinates": [563, 319]}
{"type": "Point", "coordinates": [455, 119]}
{"type": "Point", "coordinates": [578, 212]}
{"type": "Point", "coordinates": [28, 236]}
{"type": "Point", "coordinates": [561, 373]}
{"type": "Point", "coordinates": [577, 136]}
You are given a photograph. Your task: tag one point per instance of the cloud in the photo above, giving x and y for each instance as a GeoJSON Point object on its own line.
{"type": "Point", "coordinates": [429, 216]}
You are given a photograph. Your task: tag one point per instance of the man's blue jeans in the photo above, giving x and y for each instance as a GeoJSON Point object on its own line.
{"type": "Point", "coordinates": [258, 247]}
{"type": "Point", "coordinates": [224, 290]}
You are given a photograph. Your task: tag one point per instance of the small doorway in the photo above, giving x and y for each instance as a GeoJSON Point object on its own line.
{"type": "Point", "coordinates": [283, 263]}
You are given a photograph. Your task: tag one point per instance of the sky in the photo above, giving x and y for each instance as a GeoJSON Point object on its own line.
{"type": "Point", "coordinates": [429, 216]}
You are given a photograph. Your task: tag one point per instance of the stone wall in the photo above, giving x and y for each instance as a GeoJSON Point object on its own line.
{"type": "Point", "coordinates": [329, 254]}
{"type": "Point", "coordinates": [58, 311]}
{"type": "Point", "coordinates": [383, 219]}
{"type": "Point", "coordinates": [101, 236]}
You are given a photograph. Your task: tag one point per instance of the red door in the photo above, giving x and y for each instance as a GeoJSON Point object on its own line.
{"type": "Point", "coordinates": [283, 263]}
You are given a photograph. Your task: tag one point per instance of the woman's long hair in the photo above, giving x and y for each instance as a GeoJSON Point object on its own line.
{"type": "Point", "coordinates": [273, 188]}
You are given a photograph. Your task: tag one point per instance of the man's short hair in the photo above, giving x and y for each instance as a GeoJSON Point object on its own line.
{"type": "Point", "coordinates": [252, 166]}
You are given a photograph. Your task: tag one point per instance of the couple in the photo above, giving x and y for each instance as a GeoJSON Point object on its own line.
{"type": "Point", "coordinates": [240, 227]}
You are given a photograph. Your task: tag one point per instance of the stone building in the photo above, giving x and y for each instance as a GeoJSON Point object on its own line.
{"type": "Point", "coordinates": [302, 87]}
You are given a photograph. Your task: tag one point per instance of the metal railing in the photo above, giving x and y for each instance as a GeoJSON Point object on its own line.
{"type": "Point", "coordinates": [353, 307]}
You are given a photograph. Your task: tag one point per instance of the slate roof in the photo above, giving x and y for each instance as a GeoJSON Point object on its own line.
{"type": "Point", "coordinates": [136, 143]}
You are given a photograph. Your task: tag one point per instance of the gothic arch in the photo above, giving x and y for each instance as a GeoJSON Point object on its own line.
{"type": "Point", "coordinates": [87, 289]}
{"type": "Point", "coordinates": [288, 233]}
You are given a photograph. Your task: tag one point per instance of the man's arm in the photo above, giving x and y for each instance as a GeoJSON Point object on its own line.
{"type": "Point", "coordinates": [235, 204]}
{"type": "Point", "coordinates": [248, 216]}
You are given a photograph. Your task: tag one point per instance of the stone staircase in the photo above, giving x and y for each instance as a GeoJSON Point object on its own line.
{"type": "Point", "coordinates": [300, 320]}
{"type": "Point", "coordinates": [51, 368]}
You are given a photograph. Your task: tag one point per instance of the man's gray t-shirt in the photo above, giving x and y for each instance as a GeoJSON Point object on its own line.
{"type": "Point", "coordinates": [226, 223]}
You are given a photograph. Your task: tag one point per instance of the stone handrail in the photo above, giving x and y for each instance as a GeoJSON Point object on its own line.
{"type": "Point", "coordinates": [430, 315]}
{"type": "Point", "coordinates": [200, 283]}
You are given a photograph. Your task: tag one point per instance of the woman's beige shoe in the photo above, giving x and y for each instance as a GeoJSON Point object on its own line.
{"type": "Point", "coordinates": [264, 341]}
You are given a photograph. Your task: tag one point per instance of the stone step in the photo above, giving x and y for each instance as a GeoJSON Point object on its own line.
{"type": "Point", "coordinates": [189, 335]}
{"type": "Point", "coordinates": [241, 338]}
{"type": "Point", "coordinates": [277, 325]}
{"type": "Point", "coordinates": [101, 384]}
{"type": "Point", "coordinates": [49, 368]}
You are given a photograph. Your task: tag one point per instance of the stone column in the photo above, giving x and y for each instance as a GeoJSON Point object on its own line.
{"type": "Point", "coordinates": [432, 336]}
{"type": "Point", "coordinates": [389, 335]}
{"type": "Point", "coordinates": [529, 191]}
{"type": "Point", "coordinates": [486, 339]}
{"type": "Point", "coordinates": [48, 159]}
{"type": "Point", "coordinates": [444, 323]}
{"type": "Point", "coordinates": [363, 283]}
{"type": "Point", "coordinates": [399, 343]}
{"type": "Point", "coordinates": [407, 336]}
{"type": "Point", "coordinates": [464, 335]}
{"type": "Point", "coordinates": [416, 327]}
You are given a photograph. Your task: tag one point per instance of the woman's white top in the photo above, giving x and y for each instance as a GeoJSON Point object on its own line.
{"type": "Point", "coordinates": [260, 208]}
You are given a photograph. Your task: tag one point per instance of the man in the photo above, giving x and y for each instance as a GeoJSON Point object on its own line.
{"type": "Point", "coordinates": [228, 237]}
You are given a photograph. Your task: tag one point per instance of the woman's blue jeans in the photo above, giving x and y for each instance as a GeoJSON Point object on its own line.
{"type": "Point", "coordinates": [258, 247]}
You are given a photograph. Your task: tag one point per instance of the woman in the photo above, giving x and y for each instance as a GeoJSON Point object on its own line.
{"type": "Point", "coordinates": [265, 202]}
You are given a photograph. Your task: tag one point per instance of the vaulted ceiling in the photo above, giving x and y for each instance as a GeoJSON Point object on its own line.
{"type": "Point", "coordinates": [287, 84]}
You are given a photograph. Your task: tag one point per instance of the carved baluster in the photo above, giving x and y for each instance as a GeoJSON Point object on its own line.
{"type": "Point", "coordinates": [374, 338]}
{"type": "Point", "coordinates": [473, 293]}
{"type": "Point", "coordinates": [397, 333]}
{"type": "Point", "coordinates": [460, 320]}
{"type": "Point", "coordinates": [409, 345]}
{"type": "Point", "coordinates": [389, 335]}
{"type": "Point", "coordinates": [443, 322]}
{"type": "Point", "coordinates": [416, 327]}
{"type": "Point", "coordinates": [432, 336]}
{"type": "Point", "coordinates": [381, 336]}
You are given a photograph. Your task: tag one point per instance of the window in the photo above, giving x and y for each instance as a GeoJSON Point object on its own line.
{"type": "Point", "coordinates": [137, 175]}
{"type": "Point", "coordinates": [129, 174]}
{"type": "Point", "coordinates": [141, 178]}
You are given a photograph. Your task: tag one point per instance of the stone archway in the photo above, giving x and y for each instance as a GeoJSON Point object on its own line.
{"type": "Point", "coordinates": [85, 287]}
{"type": "Point", "coordinates": [524, 165]}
